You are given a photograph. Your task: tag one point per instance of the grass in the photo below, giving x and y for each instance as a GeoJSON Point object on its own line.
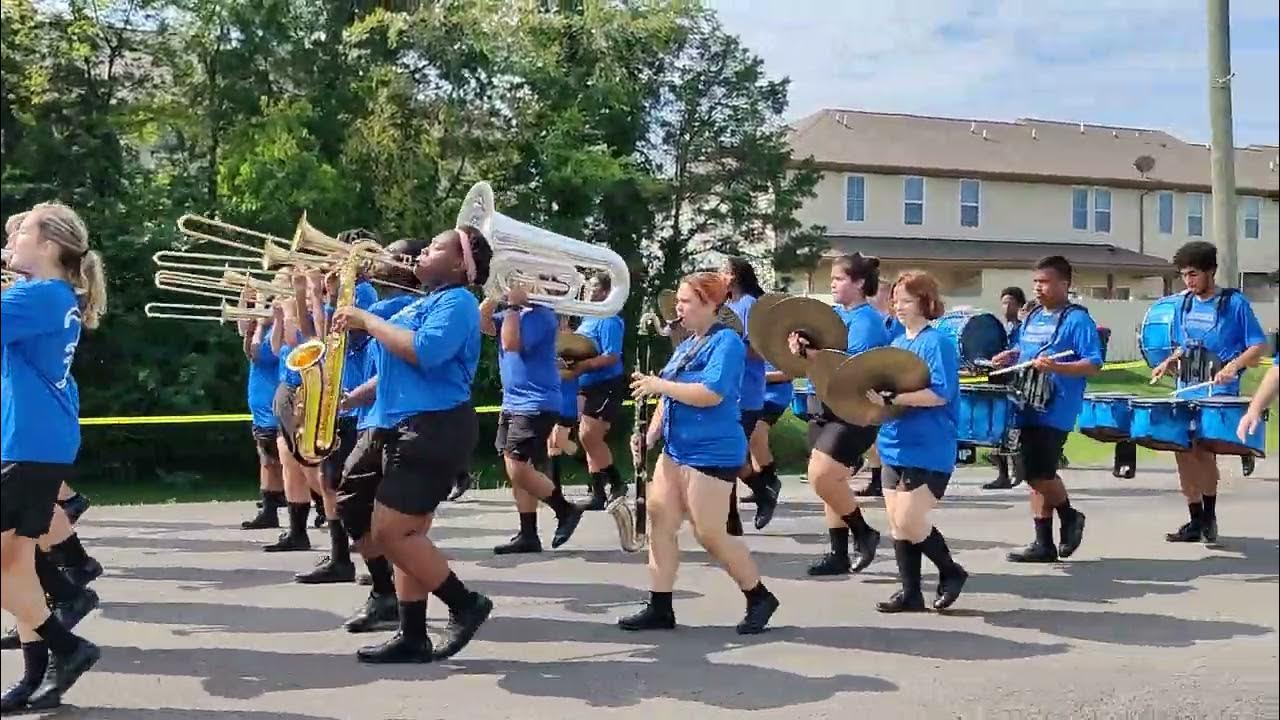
{"type": "Point", "coordinates": [141, 466]}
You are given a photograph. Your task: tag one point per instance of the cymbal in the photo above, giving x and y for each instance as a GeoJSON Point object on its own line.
{"type": "Point", "coordinates": [573, 346]}
{"type": "Point", "coordinates": [822, 368]}
{"type": "Point", "coordinates": [726, 316]}
{"type": "Point", "coordinates": [813, 317]}
{"type": "Point", "coordinates": [756, 326]}
{"type": "Point", "coordinates": [881, 369]}
{"type": "Point", "coordinates": [667, 305]}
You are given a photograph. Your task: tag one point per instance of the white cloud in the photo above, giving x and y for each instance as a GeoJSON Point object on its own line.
{"type": "Point", "coordinates": [1127, 62]}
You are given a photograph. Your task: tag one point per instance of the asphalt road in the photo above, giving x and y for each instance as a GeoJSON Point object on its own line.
{"type": "Point", "coordinates": [197, 623]}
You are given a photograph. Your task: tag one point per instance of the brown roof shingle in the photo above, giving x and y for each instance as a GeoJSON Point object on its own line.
{"type": "Point", "coordinates": [1027, 150]}
{"type": "Point", "coordinates": [996, 253]}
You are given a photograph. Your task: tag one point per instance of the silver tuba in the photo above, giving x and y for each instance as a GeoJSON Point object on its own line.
{"type": "Point", "coordinates": [555, 268]}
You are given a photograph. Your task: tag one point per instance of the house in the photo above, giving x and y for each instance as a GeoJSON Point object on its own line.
{"type": "Point", "coordinates": [977, 202]}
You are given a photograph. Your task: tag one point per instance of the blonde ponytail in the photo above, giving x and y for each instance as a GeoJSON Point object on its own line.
{"type": "Point", "coordinates": [91, 288]}
{"type": "Point", "coordinates": [62, 225]}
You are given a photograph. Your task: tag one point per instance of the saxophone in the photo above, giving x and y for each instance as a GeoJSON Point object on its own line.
{"type": "Point", "coordinates": [633, 525]}
{"type": "Point", "coordinates": [320, 362]}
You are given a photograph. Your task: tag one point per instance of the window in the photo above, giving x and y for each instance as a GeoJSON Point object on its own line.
{"type": "Point", "coordinates": [1195, 215]}
{"type": "Point", "coordinates": [855, 198]}
{"type": "Point", "coordinates": [970, 203]}
{"type": "Point", "coordinates": [1252, 214]}
{"type": "Point", "coordinates": [1080, 209]}
{"type": "Point", "coordinates": [1257, 287]}
{"type": "Point", "coordinates": [1164, 212]}
{"type": "Point", "coordinates": [1101, 210]}
{"type": "Point", "coordinates": [913, 201]}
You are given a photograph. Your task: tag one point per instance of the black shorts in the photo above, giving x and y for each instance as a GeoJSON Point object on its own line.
{"type": "Point", "coordinates": [283, 406]}
{"type": "Point", "coordinates": [748, 419]}
{"type": "Point", "coordinates": [845, 443]}
{"type": "Point", "coordinates": [1041, 450]}
{"type": "Point", "coordinates": [423, 456]}
{"type": "Point", "coordinates": [727, 474]}
{"type": "Point", "coordinates": [565, 421]}
{"type": "Point", "coordinates": [28, 492]}
{"type": "Point", "coordinates": [264, 438]}
{"type": "Point", "coordinates": [603, 401]}
{"type": "Point", "coordinates": [331, 467]}
{"type": "Point", "coordinates": [524, 437]}
{"type": "Point", "coordinates": [360, 480]}
{"type": "Point", "coordinates": [896, 477]}
{"type": "Point", "coordinates": [771, 413]}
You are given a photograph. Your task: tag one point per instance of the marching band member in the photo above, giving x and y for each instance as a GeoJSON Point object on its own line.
{"type": "Point", "coordinates": [744, 288]}
{"type": "Point", "coordinates": [39, 419]}
{"type": "Point", "coordinates": [1218, 338]}
{"type": "Point", "coordinates": [836, 447]}
{"type": "Point", "coordinates": [264, 373]}
{"type": "Point", "coordinates": [286, 334]}
{"type": "Point", "coordinates": [1264, 396]}
{"type": "Point", "coordinates": [697, 419]}
{"type": "Point", "coordinates": [531, 403]}
{"type": "Point", "coordinates": [918, 448]}
{"type": "Point", "coordinates": [427, 357]}
{"type": "Point", "coordinates": [603, 388]}
{"type": "Point", "coordinates": [1012, 300]}
{"type": "Point", "coordinates": [560, 443]}
{"type": "Point", "coordinates": [778, 391]}
{"type": "Point", "coordinates": [1054, 326]}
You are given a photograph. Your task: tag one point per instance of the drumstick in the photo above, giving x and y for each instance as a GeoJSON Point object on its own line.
{"type": "Point", "coordinates": [1197, 386]}
{"type": "Point", "coordinates": [1029, 363]}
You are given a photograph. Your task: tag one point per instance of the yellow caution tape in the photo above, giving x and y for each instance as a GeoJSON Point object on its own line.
{"type": "Point", "coordinates": [219, 418]}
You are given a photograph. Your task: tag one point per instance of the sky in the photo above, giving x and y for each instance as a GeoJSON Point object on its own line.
{"type": "Point", "coordinates": [1132, 63]}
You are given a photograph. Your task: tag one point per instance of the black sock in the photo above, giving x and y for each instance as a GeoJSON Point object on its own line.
{"type": "Point", "coordinates": [875, 476]}
{"type": "Point", "coordinates": [555, 471]}
{"type": "Point", "coordinates": [856, 522]}
{"type": "Point", "coordinates": [1066, 513]}
{"type": "Point", "coordinates": [908, 556]}
{"type": "Point", "coordinates": [556, 502]}
{"type": "Point", "coordinates": [759, 592]}
{"type": "Point", "coordinates": [60, 639]}
{"type": "Point", "coordinates": [661, 602]}
{"type": "Point", "coordinates": [453, 593]}
{"type": "Point", "coordinates": [55, 583]}
{"type": "Point", "coordinates": [72, 551]}
{"type": "Point", "coordinates": [70, 498]}
{"type": "Point", "coordinates": [339, 546]}
{"type": "Point", "coordinates": [529, 523]}
{"type": "Point", "coordinates": [1210, 506]}
{"type": "Point", "coordinates": [935, 548]}
{"type": "Point", "coordinates": [839, 541]}
{"type": "Point", "coordinates": [612, 474]}
{"type": "Point", "coordinates": [35, 660]}
{"type": "Point", "coordinates": [1044, 531]}
{"type": "Point", "coordinates": [383, 579]}
{"type": "Point", "coordinates": [273, 500]}
{"type": "Point", "coordinates": [298, 518]}
{"type": "Point", "coordinates": [413, 619]}
{"type": "Point", "coordinates": [598, 479]}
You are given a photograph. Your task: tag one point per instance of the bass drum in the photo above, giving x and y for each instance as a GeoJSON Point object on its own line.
{"type": "Point", "coordinates": [1155, 338]}
{"type": "Point", "coordinates": [978, 335]}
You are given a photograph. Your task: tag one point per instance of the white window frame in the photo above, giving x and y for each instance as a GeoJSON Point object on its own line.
{"type": "Point", "coordinates": [924, 192]}
{"type": "Point", "coordinates": [1172, 212]}
{"type": "Point", "coordinates": [1191, 203]}
{"type": "Point", "coordinates": [1256, 202]}
{"type": "Point", "coordinates": [1097, 211]}
{"type": "Point", "coordinates": [847, 179]}
{"type": "Point", "coordinates": [1071, 209]}
{"type": "Point", "coordinates": [977, 206]}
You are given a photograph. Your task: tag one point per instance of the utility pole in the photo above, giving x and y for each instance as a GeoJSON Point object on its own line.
{"type": "Point", "coordinates": [1222, 152]}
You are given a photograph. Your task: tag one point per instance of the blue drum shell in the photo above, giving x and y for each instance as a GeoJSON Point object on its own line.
{"type": "Point", "coordinates": [1162, 423]}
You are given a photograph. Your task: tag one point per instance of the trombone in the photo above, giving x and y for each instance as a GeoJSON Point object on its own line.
{"type": "Point", "coordinates": [223, 313]}
{"type": "Point", "coordinates": [227, 287]}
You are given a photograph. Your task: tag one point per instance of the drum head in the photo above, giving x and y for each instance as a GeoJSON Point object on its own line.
{"type": "Point", "coordinates": [1223, 400]}
{"type": "Point", "coordinates": [980, 335]}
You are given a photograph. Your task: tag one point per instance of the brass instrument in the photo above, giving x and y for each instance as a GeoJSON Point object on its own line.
{"type": "Point", "coordinates": [321, 362]}
{"type": "Point", "coordinates": [227, 287]}
{"type": "Point", "coordinates": [633, 526]}
{"type": "Point", "coordinates": [557, 267]}
{"type": "Point", "coordinates": [223, 313]}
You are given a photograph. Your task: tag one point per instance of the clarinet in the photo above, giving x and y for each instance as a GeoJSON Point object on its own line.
{"type": "Point", "coordinates": [632, 525]}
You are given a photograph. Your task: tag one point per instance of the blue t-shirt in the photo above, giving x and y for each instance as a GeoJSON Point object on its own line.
{"type": "Point", "coordinates": [926, 437]}
{"type": "Point", "coordinates": [751, 395]}
{"type": "Point", "coordinates": [1013, 331]}
{"type": "Point", "coordinates": [606, 333]}
{"type": "Point", "coordinates": [893, 328]}
{"type": "Point", "coordinates": [569, 398]}
{"type": "Point", "coordinates": [1226, 330]}
{"type": "Point", "coordinates": [353, 368]}
{"type": "Point", "coordinates": [531, 377]}
{"type": "Point", "coordinates": [711, 436]}
{"type": "Point", "coordinates": [866, 329]}
{"type": "Point", "coordinates": [40, 322]}
{"type": "Point", "coordinates": [778, 393]}
{"type": "Point", "coordinates": [366, 415]}
{"type": "Point", "coordinates": [264, 378]}
{"type": "Point", "coordinates": [1078, 334]}
{"type": "Point", "coordinates": [446, 339]}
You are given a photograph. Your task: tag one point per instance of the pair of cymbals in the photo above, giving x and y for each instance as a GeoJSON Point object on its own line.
{"type": "Point", "coordinates": [774, 317]}
{"type": "Point", "coordinates": [842, 381]}
{"type": "Point", "coordinates": [573, 347]}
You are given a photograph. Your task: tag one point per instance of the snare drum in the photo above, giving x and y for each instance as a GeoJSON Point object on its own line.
{"type": "Point", "coordinates": [1162, 423]}
{"type": "Point", "coordinates": [1105, 417]}
{"type": "Point", "coordinates": [1155, 339]}
{"type": "Point", "coordinates": [986, 414]}
{"type": "Point", "coordinates": [977, 335]}
{"type": "Point", "coordinates": [1216, 421]}
{"type": "Point", "coordinates": [1032, 389]}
